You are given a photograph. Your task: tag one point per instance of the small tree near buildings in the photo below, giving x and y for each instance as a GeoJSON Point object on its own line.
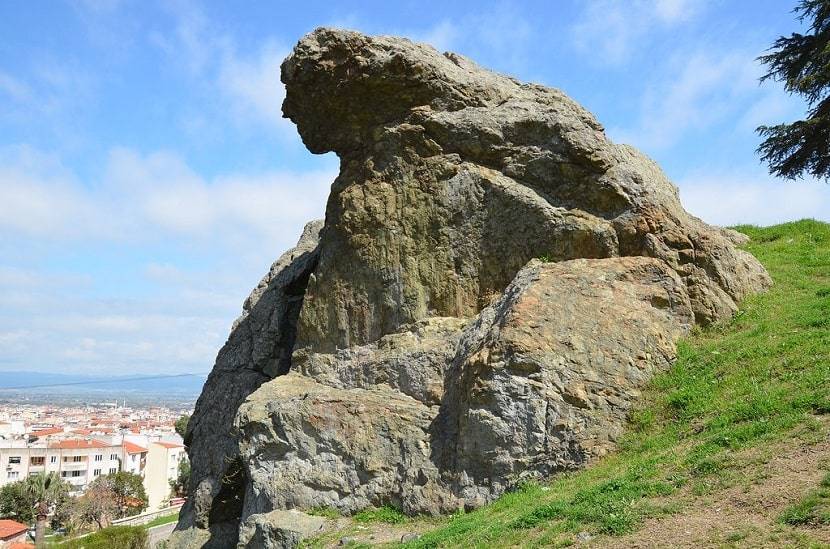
{"type": "Point", "coordinates": [111, 497]}
{"type": "Point", "coordinates": [181, 425]}
{"type": "Point", "coordinates": [178, 486]}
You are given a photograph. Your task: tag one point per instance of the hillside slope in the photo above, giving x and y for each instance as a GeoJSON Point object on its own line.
{"type": "Point", "coordinates": [728, 448]}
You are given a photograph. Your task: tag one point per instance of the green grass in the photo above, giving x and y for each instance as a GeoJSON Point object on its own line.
{"type": "Point", "coordinates": [123, 537]}
{"type": "Point", "coordinates": [122, 533]}
{"type": "Point", "coordinates": [326, 512]}
{"type": "Point", "coordinates": [361, 522]}
{"type": "Point", "coordinates": [162, 520]}
{"type": "Point", "coordinates": [385, 514]}
{"type": "Point", "coordinates": [814, 508]}
{"type": "Point", "coordinates": [741, 385]}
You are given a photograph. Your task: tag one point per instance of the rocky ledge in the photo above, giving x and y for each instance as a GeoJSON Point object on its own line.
{"type": "Point", "coordinates": [493, 284]}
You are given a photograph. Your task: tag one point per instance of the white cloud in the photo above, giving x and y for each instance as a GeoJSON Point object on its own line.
{"type": "Point", "coordinates": [143, 263]}
{"type": "Point", "coordinates": [443, 36]}
{"type": "Point", "coordinates": [132, 338]}
{"type": "Point", "coordinates": [47, 90]}
{"type": "Point", "coordinates": [706, 88]}
{"type": "Point", "coordinates": [163, 272]}
{"type": "Point", "coordinates": [253, 86]}
{"type": "Point", "coordinates": [771, 107]}
{"type": "Point", "coordinates": [675, 11]}
{"type": "Point", "coordinates": [501, 36]}
{"type": "Point", "coordinates": [504, 34]}
{"type": "Point", "coordinates": [756, 198]}
{"type": "Point", "coordinates": [14, 88]}
{"type": "Point", "coordinates": [209, 240]}
{"type": "Point", "coordinates": [12, 276]}
{"type": "Point", "coordinates": [610, 30]}
{"type": "Point", "coordinates": [51, 324]}
{"type": "Point", "coordinates": [155, 197]}
{"type": "Point", "coordinates": [13, 338]}
{"type": "Point", "coordinates": [192, 41]}
{"type": "Point", "coordinates": [142, 203]}
{"type": "Point", "coordinates": [249, 83]}
{"type": "Point", "coordinates": [38, 196]}
{"type": "Point", "coordinates": [168, 194]}
{"type": "Point", "coordinates": [161, 190]}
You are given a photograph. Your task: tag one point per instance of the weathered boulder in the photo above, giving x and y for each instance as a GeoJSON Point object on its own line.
{"type": "Point", "coordinates": [453, 177]}
{"type": "Point", "coordinates": [278, 530]}
{"type": "Point", "coordinates": [310, 445]}
{"type": "Point", "coordinates": [419, 353]}
{"type": "Point", "coordinates": [543, 379]}
{"type": "Point", "coordinates": [540, 382]}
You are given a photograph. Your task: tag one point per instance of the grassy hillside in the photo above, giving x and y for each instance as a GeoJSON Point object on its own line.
{"type": "Point", "coordinates": [729, 447]}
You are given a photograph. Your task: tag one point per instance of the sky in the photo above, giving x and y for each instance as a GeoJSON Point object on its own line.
{"type": "Point", "coordinates": [148, 180]}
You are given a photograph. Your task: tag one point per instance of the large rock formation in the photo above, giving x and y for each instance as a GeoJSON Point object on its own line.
{"type": "Point", "coordinates": [493, 284]}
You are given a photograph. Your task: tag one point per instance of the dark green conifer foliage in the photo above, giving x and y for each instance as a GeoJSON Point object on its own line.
{"type": "Point", "coordinates": [802, 62]}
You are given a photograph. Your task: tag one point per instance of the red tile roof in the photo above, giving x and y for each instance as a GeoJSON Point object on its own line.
{"type": "Point", "coordinates": [131, 448]}
{"type": "Point", "coordinates": [78, 444]}
{"type": "Point", "coordinates": [20, 545]}
{"type": "Point", "coordinates": [168, 444]}
{"type": "Point", "coordinates": [47, 432]}
{"type": "Point", "coordinates": [11, 528]}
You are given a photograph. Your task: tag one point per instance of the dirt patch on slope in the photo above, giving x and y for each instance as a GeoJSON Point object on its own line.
{"type": "Point", "coordinates": [745, 514]}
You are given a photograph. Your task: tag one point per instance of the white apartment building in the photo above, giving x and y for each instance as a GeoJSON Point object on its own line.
{"type": "Point", "coordinates": [77, 461]}
{"type": "Point", "coordinates": [80, 461]}
{"type": "Point", "coordinates": [135, 458]}
{"type": "Point", "coordinates": [163, 461]}
{"type": "Point", "coordinates": [14, 461]}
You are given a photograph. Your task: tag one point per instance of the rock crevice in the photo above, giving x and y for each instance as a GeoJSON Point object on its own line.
{"type": "Point", "coordinates": [258, 348]}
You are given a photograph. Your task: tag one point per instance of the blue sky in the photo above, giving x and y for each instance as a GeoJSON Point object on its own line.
{"type": "Point", "coordinates": [147, 179]}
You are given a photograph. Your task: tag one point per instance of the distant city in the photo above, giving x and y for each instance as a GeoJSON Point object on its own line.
{"type": "Point", "coordinates": [83, 442]}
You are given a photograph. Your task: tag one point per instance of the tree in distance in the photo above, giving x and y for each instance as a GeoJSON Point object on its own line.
{"type": "Point", "coordinates": [802, 63]}
{"type": "Point", "coordinates": [181, 425]}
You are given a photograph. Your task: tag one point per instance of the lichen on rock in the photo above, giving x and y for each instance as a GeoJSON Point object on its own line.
{"type": "Point", "coordinates": [419, 353]}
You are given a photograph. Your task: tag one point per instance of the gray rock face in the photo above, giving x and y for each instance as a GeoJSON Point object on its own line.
{"type": "Point", "coordinates": [531, 389]}
{"type": "Point", "coordinates": [543, 379]}
{"type": "Point", "coordinates": [416, 354]}
{"type": "Point", "coordinates": [310, 445]}
{"type": "Point", "coordinates": [413, 362]}
{"type": "Point", "coordinates": [278, 530]}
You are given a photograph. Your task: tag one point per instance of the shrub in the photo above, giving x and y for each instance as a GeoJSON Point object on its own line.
{"type": "Point", "coordinates": [123, 537]}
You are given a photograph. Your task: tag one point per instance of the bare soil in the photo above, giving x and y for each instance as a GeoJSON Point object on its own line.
{"type": "Point", "coordinates": [745, 514]}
